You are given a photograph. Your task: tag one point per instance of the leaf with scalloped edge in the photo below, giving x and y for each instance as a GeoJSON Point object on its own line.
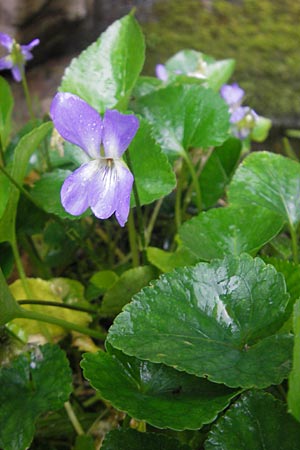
{"type": "Point", "coordinates": [217, 320]}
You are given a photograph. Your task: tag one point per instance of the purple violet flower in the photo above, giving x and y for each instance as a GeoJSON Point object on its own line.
{"type": "Point", "coordinates": [17, 55]}
{"type": "Point", "coordinates": [242, 118]}
{"type": "Point", "coordinates": [161, 72]}
{"type": "Point", "coordinates": [232, 94]}
{"type": "Point", "coordinates": [104, 183]}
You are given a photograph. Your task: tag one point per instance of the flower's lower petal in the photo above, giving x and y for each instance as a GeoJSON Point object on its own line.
{"type": "Point", "coordinates": [75, 189]}
{"type": "Point", "coordinates": [125, 182]}
{"type": "Point", "coordinates": [103, 195]}
{"type": "Point", "coordinates": [238, 114]}
{"type": "Point", "coordinates": [5, 63]}
{"type": "Point", "coordinates": [77, 122]}
{"type": "Point", "coordinates": [17, 73]}
{"type": "Point", "coordinates": [6, 41]}
{"type": "Point", "coordinates": [161, 72]}
{"type": "Point", "coordinates": [109, 191]}
{"type": "Point", "coordinates": [118, 131]}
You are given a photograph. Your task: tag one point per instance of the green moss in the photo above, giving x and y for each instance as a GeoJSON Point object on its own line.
{"type": "Point", "coordinates": [262, 35]}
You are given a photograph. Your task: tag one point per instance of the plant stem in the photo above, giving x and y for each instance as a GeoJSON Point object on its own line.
{"type": "Point", "coordinates": [294, 238]}
{"type": "Point", "coordinates": [20, 267]}
{"type": "Point", "coordinates": [152, 221]}
{"type": "Point", "coordinates": [73, 418]}
{"type": "Point", "coordinates": [56, 305]}
{"type": "Point", "coordinates": [19, 187]}
{"type": "Point", "coordinates": [35, 315]}
{"type": "Point", "coordinates": [139, 214]}
{"type": "Point", "coordinates": [179, 187]}
{"type": "Point", "coordinates": [132, 240]}
{"type": "Point", "coordinates": [194, 176]}
{"type": "Point", "coordinates": [27, 96]}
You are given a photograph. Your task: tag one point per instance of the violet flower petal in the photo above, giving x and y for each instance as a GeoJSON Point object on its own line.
{"type": "Point", "coordinates": [125, 182]}
{"type": "Point", "coordinates": [161, 72]}
{"type": "Point", "coordinates": [232, 94]}
{"type": "Point", "coordinates": [102, 191]}
{"type": "Point", "coordinates": [5, 63]}
{"type": "Point", "coordinates": [16, 73]}
{"type": "Point", "coordinates": [109, 191]}
{"type": "Point", "coordinates": [118, 131]}
{"type": "Point", "coordinates": [239, 113]}
{"type": "Point", "coordinates": [75, 189]}
{"type": "Point", "coordinates": [26, 49]}
{"type": "Point", "coordinates": [6, 41]}
{"type": "Point", "coordinates": [77, 122]}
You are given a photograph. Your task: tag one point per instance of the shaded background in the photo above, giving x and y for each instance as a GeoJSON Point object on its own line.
{"type": "Point", "coordinates": [263, 36]}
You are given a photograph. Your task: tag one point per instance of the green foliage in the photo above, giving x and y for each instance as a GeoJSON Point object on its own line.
{"type": "Point", "coordinates": [217, 320]}
{"type": "Point", "coordinates": [36, 382]}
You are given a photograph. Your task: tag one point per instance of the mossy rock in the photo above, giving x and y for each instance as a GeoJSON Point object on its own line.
{"type": "Point", "coordinates": [262, 35]}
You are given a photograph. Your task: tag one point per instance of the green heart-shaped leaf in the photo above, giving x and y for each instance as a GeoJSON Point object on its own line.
{"type": "Point", "coordinates": [135, 440]}
{"type": "Point", "coordinates": [154, 176]}
{"type": "Point", "coordinates": [222, 231]}
{"type": "Point", "coordinates": [155, 393]}
{"type": "Point", "coordinates": [36, 382]}
{"type": "Point", "coordinates": [111, 65]}
{"type": "Point", "coordinates": [268, 180]}
{"type": "Point", "coordinates": [257, 421]}
{"type": "Point", "coordinates": [185, 116]}
{"type": "Point", "coordinates": [216, 320]}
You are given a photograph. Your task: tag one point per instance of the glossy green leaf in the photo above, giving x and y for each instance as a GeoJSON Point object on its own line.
{"type": "Point", "coordinates": [268, 180]}
{"type": "Point", "coordinates": [6, 108]}
{"type": "Point", "coordinates": [294, 378]}
{"type": "Point", "coordinates": [154, 176]}
{"type": "Point", "coordinates": [135, 440]}
{"type": "Point", "coordinates": [185, 116]}
{"type": "Point", "coordinates": [9, 308]}
{"type": "Point", "coordinates": [218, 170]}
{"type": "Point", "coordinates": [111, 65]}
{"type": "Point", "coordinates": [100, 282]}
{"type": "Point", "coordinates": [196, 64]}
{"type": "Point", "coordinates": [46, 192]}
{"type": "Point", "coordinates": [36, 382]}
{"type": "Point", "coordinates": [159, 395]}
{"type": "Point", "coordinates": [256, 421]}
{"type": "Point", "coordinates": [167, 261]}
{"type": "Point", "coordinates": [216, 320]}
{"type": "Point", "coordinates": [121, 292]}
{"type": "Point", "coordinates": [26, 146]}
{"type": "Point", "coordinates": [222, 231]}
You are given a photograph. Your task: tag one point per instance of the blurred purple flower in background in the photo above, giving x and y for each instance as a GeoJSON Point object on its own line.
{"type": "Point", "coordinates": [242, 118]}
{"type": "Point", "coordinates": [17, 55]}
{"type": "Point", "coordinates": [104, 183]}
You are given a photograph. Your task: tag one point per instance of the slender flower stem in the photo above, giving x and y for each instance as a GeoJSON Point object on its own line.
{"type": "Point", "coordinates": [139, 214]}
{"type": "Point", "coordinates": [179, 187]}
{"type": "Point", "coordinates": [35, 315]}
{"type": "Point", "coordinates": [152, 221]}
{"type": "Point", "coordinates": [132, 240]}
{"type": "Point", "coordinates": [294, 238]}
{"type": "Point", "coordinates": [19, 187]}
{"type": "Point", "coordinates": [27, 95]}
{"type": "Point", "coordinates": [194, 176]}
{"type": "Point", "coordinates": [57, 305]}
{"type": "Point", "coordinates": [20, 267]}
{"type": "Point", "coordinates": [73, 419]}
